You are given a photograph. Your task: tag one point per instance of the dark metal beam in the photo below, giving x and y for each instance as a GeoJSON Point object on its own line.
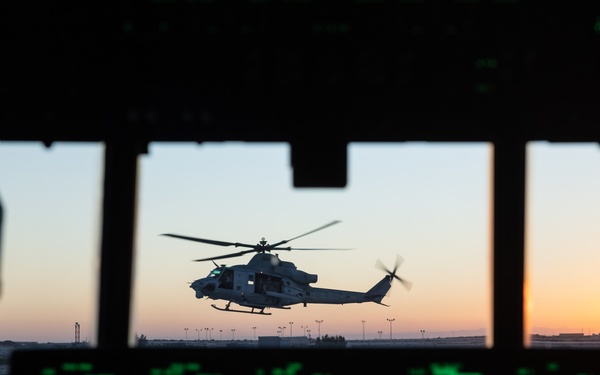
{"type": "Point", "coordinates": [508, 243]}
{"type": "Point", "coordinates": [118, 224]}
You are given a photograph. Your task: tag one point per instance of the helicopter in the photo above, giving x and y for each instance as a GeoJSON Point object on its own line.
{"type": "Point", "coordinates": [269, 282]}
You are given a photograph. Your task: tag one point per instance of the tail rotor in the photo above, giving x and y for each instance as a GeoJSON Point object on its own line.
{"type": "Point", "coordinates": [392, 274]}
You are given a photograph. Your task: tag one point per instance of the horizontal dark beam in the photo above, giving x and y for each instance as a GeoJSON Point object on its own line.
{"type": "Point", "coordinates": [367, 70]}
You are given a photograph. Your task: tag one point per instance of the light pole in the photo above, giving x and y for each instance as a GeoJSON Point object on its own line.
{"type": "Point", "coordinates": [308, 330]}
{"type": "Point", "coordinates": [304, 328]}
{"type": "Point", "coordinates": [380, 332]}
{"type": "Point", "coordinates": [282, 330]}
{"type": "Point", "coordinates": [422, 334]}
{"type": "Point", "coordinates": [210, 334]}
{"type": "Point", "coordinates": [291, 324]}
{"type": "Point", "coordinates": [363, 322]}
{"type": "Point", "coordinates": [233, 334]}
{"type": "Point", "coordinates": [198, 332]}
{"type": "Point", "coordinates": [186, 329]}
{"type": "Point", "coordinates": [206, 334]}
{"type": "Point", "coordinates": [391, 320]}
{"type": "Point", "coordinates": [319, 323]}
{"type": "Point", "coordinates": [254, 328]}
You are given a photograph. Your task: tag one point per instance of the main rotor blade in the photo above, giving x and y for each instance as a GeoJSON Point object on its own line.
{"type": "Point", "coordinates": [305, 234]}
{"type": "Point", "coordinates": [305, 248]}
{"type": "Point", "coordinates": [233, 255]}
{"type": "Point", "coordinates": [211, 242]}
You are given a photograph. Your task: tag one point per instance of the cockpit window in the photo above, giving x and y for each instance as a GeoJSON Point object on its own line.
{"type": "Point", "coordinates": [215, 273]}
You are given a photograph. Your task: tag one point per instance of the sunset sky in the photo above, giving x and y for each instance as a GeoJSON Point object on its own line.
{"type": "Point", "coordinates": [427, 202]}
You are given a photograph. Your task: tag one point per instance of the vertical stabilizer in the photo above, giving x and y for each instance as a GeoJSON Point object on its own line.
{"type": "Point", "coordinates": [377, 292]}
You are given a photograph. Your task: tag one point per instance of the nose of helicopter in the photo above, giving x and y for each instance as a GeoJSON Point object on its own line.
{"type": "Point", "coordinates": [201, 286]}
{"type": "Point", "coordinates": [197, 286]}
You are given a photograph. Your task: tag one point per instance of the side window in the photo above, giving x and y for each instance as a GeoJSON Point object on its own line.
{"type": "Point", "coordinates": [226, 280]}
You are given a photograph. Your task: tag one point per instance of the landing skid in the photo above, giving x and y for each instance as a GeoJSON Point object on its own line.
{"type": "Point", "coordinates": [226, 308]}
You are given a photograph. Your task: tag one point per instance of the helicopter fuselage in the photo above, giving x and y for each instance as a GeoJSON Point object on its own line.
{"type": "Point", "coordinates": [266, 281]}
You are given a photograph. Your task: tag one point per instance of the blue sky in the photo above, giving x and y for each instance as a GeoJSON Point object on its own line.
{"type": "Point", "coordinates": [427, 202]}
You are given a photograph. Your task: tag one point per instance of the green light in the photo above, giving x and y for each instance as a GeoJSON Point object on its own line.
{"type": "Point", "coordinates": [552, 366]}
{"type": "Point", "coordinates": [597, 25]}
{"type": "Point", "coordinates": [417, 371]}
{"type": "Point", "coordinates": [68, 366]}
{"type": "Point", "coordinates": [177, 368]}
{"type": "Point", "coordinates": [525, 371]}
{"type": "Point", "coordinates": [80, 366]}
{"type": "Point", "coordinates": [449, 369]}
{"type": "Point", "coordinates": [291, 369]}
{"type": "Point", "coordinates": [86, 366]}
{"type": "Point", "coordinates": [486, 63]}
{"type": "Point", "coordinates": [193, 366]}
{"type": "Point", "coordinates": [48, 371]}
{"type": "Point", "coordinates": [483, 88]}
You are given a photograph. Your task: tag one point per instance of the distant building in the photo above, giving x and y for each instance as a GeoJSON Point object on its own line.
{"type": "Point", "coordinates": [269, 342]}
{"type": "Point", "coordinates": [282, 342]}
{"type": "Point", "coordinates": [571, 334]}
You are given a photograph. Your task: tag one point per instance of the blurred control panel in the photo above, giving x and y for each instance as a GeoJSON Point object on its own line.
{"type": "Point", "coordinates": [304, 361]}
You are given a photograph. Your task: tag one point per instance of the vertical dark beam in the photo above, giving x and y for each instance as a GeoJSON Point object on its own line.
{"type": "Point", "coordinates": [116, 259]}
{"type": "Point", "coordinates": [508, 243]}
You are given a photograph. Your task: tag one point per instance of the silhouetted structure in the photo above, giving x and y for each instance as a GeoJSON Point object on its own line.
{"type": "Point", "coordinates": [77, 333]}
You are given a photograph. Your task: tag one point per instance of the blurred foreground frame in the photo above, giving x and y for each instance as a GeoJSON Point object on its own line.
{"type": "Point", "coordinates": [501, 72]}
